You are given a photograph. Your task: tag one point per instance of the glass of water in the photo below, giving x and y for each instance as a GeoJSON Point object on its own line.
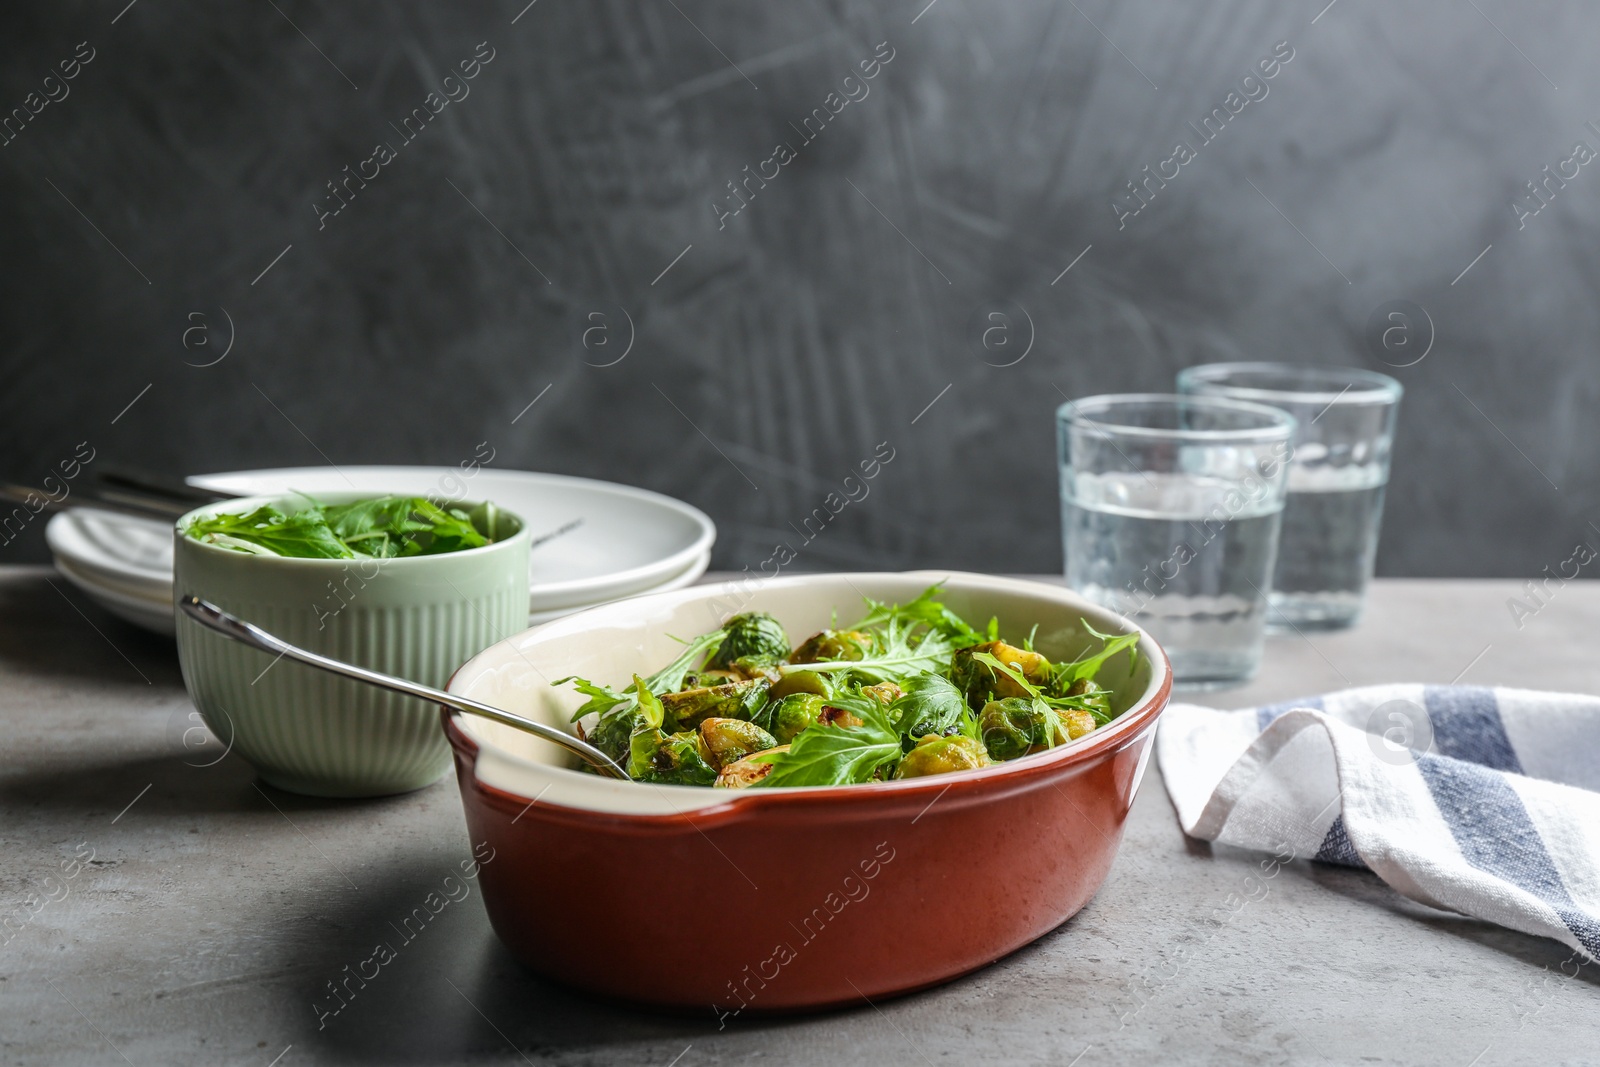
{"type": "Point", "coordinates": [1170, 507]}
{"type": "Point", "coordinates": [1344, 431]}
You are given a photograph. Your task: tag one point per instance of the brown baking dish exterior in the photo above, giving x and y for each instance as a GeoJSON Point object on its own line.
{"type": "Point", "coordinates": [787, 899]}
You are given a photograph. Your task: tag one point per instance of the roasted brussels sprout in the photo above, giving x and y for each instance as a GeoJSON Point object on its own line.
{"type": "Point", "coordinates": [612, 733]}
{"type": "Point", "coordinates": [835, 645]}
{"type": "Point", "coordinates": [801, 682]}
{"type": "Point", "coordinates": [832, 716]}
{"type": "Point", "coordinates": [907, 690]}
{"type": "Point", "coordinates": [941, 755]}
{"type": "Point", "coordinates": [757, 667]}
{"type": "Point", "coordinates": [1015, 726]}
{"type": "Point", "coordinates": [731, 740]}
{"type": "Point", "coordinates": [785, 718]}
{"type": "Point", "coordinates": [930, 705]}
{"type": "Point", "coordinates": [669, 759]}
{"type": "Point", "coordinates": [753, 634]}
{"type": "Point", "coordinates": [731, 700]}
{"type": "Point", "coordinates": [885, 693]}
{"type": "Point", "coordinates": [981, 683]}
{"type": "Point", "coordinates": [707, 678]}
{"type": "Point", "coordinates": [746, 772]}
{"type": "Point", "coordinates": [1077, 722]}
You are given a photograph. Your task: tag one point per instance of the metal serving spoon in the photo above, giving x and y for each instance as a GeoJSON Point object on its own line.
{"type": "Point", "coordinates": [212, 617]}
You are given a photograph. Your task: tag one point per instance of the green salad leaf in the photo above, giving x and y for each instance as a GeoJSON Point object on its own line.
{"type": "Point", "coordinates": [1067, 673]}
{"type": "Point", "coordinates": [668, 679]}
{"type": "Point", "coordinates": [931, 704]}
{"type": "Point", "coordinates": [268, 531]}
{"type": "Point", "coordinates": [649, 704]}
{"type": "Point", "coordinates": [601, 698]}
{"type": "Point", "coordinates": [928, 610]}
{"type": "Point", "coordinates": [903, 652]}
{"type": "Point", "coordinates": [836, 754]}
{"type": "Point", "coordinates": [910, 690]}
{"type": "Point", "coordinates": [379, 528]}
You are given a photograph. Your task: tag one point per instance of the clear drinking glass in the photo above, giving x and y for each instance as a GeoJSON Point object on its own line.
{"type": "Point", "coordinates": [1344, 432]}
{"type": "Point", "coordinates": [1170, 507]}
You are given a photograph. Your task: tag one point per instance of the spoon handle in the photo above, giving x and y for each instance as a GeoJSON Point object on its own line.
{"type": "Point", "coordinates": [214, 618]}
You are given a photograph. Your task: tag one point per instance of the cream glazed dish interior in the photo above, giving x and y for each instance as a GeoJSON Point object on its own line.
{"type": "Point", "coordinates": [613, 642]}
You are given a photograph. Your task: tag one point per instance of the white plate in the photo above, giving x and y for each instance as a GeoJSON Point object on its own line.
{"type": "Point", "coordinates": [144, 612]}
{"type": "Point", "coordinates": [680, 581]}
{"type": "Point", "coordinates": [155, 613]}
{"type": "Point", "coordinates": [631, 541]}
{"type": "Point", "coordinates": [132, 554]}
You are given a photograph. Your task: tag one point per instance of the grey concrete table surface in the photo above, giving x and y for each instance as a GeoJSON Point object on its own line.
{"type": "Point", "coordinates": [213, 912]}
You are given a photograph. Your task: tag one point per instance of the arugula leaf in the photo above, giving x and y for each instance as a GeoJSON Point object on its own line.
{"type": "Point", "coordinates": [449, 530]}
{"type": "Point", "coordinates": [901, 656]}
{"type": "Point", "coordinates": [378, 528]}
{"type": "Point", "coordinates": [931, 705]}
{"type": "Point", "coordinates": [304, 534]}
{"type": "Point", "coordinates": [1010, 672]}
{"type": "Point", "coordinates": [668, 679]}
{"type": "Point", "coordinates": [389, 526]}
{"type": "Point", "coordinates": [601, 698]}
{"type": "Point", "coordinates": [969, 724]}
{"type": "Point", "coordinates": [1089, 666]}
{"type": "Point", "coordinates": [837, 754]}
{"type": "Point", "coordinates": [361, 517]}
{"type": "Point", "coordinates": [927, 610]}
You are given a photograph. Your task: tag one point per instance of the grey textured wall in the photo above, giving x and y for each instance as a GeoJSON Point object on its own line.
{"type": "Point", "coordinates": [794, 336]}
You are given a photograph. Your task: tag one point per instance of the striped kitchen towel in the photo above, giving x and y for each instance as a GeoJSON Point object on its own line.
{"type": "Point", "coordinates": [1480, 801]}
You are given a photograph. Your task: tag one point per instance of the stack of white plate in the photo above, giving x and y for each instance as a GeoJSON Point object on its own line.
{"type": "Point", "coordinates": [630, 541]}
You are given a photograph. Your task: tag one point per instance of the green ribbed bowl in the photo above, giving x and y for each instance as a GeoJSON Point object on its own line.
{"type": "Point", "coordinates": [307, 731]}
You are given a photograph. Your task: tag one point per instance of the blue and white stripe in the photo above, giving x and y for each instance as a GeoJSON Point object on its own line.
{"type": "Point", "coordinates": [1497, 817]}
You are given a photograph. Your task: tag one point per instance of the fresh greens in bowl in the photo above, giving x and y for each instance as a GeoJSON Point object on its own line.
{"type": "Point", "coordinates": [907, 691]}
{"type": "Point", "coordinates": [384, 527]}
